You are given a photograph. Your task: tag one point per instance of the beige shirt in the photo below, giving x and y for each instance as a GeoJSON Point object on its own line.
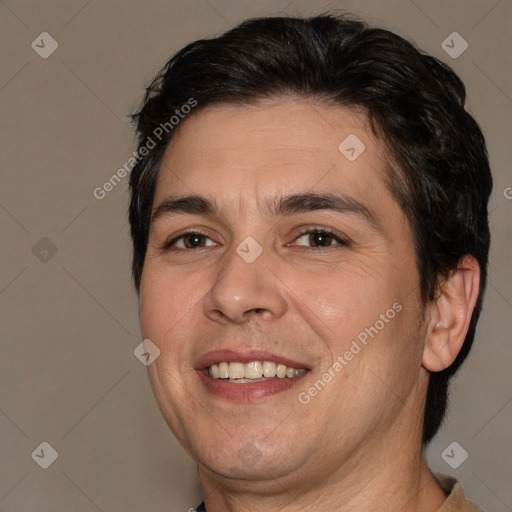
{"type": "Point", "coordinates": [456, 501]}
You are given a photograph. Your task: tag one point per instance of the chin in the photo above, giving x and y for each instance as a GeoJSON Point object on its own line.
{"type": "Point", "coordinates": [247, 460]}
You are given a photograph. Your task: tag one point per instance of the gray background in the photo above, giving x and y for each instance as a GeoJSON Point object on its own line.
{"type": "Point", "coordinates": [68, 375]}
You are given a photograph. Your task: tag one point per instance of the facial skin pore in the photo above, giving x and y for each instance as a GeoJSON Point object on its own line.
{"type": "Point", "coordinates": [356, 445]}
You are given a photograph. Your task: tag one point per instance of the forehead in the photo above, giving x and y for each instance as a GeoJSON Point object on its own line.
{"type": "Point", "coordinates": [244, 154]}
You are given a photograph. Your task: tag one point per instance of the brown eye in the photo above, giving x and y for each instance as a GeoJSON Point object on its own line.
{"type": "Point", "coordinates": [320, 238]}
{"type": "Point", "coordinates": [190, 240]}
{"type": "Point", "coordinates": [193, 240]}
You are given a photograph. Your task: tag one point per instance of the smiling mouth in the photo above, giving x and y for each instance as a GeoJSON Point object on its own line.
{"type": "Point", "coordinates": [255, 371]}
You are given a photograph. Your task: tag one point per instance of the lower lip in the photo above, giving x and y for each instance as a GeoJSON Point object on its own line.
{"type": "Point", "coordinates": [249, 392]}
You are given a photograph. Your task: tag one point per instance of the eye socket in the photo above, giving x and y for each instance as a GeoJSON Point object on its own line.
{"type": "Point", "coordinates": [193, 236]}
{"type": "Point", "coordinates": [322, 236]}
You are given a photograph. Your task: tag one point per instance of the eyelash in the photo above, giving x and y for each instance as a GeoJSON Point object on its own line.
{"type": "Point", "coordinates": [342, 241]}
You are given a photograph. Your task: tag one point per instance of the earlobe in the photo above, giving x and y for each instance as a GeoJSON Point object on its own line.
{"type": "Point", "coordinates": [450, 314]}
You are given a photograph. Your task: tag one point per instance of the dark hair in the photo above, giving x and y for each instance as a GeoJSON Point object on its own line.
{"type": "Point", "coordinates": [439, 170]}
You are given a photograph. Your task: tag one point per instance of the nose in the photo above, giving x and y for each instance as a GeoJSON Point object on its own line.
{"type": "Point", "coordinates": [243, 291]}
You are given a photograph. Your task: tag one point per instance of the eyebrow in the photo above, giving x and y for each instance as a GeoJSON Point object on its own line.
{"type": "Point", "coordinates": [276, 207]}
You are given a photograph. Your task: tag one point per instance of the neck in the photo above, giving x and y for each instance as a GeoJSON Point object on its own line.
{"type": "Point", "coordinates": [379, 474]}
{"type": "Point", "coordinates": [416, 492]}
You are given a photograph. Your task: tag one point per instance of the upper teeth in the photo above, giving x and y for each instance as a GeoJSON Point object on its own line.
{"type": "Point", "coordinates": [252, 370]}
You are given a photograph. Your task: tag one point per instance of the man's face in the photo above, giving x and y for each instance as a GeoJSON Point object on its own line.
{"type": "Point", "coordinates": [307, 301]}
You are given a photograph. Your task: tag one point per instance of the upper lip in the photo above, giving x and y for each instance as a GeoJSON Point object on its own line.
{"type": "Point", "coordinates": [246, 356]}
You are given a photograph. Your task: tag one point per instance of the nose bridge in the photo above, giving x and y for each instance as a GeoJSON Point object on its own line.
{"type": "Point", "coordinates": [244, 286]}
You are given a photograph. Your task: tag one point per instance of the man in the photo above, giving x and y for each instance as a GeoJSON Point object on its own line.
{"type": "Point", "coordinates": [309, 220]}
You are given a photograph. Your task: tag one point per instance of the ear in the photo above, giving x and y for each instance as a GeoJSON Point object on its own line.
{"type": "Point", "coordinates": [450, 314]}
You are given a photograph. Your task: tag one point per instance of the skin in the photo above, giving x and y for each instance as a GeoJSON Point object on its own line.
{"type": "Point", "coordinates": [357, 444]}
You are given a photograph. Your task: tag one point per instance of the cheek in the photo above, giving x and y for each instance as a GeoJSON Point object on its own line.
{"type": "Point", "coordinates": [167, 297]}
{"type": "Point", "coordinates": [346, 297]}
